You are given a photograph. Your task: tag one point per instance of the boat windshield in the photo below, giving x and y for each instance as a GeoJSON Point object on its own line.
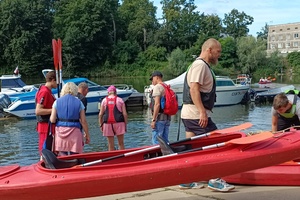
{"type": "Point", "coordinates": [224, 82]}
{"type": "Point", "coordinates": [12, 83]}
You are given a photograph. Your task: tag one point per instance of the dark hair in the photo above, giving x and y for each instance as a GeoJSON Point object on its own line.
{"type": "Point", "coordinates": [50, 76]}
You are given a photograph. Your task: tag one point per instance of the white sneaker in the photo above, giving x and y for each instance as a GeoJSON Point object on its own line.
{"type": "Point", "coordinates": [219, 185]}
{"type": "Point", "coordinates": [193, 185]}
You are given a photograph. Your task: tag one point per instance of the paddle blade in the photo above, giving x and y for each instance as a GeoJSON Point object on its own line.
{"type": "Point", "coordinates": [235, 128]}
{"type": "Point", "coordinates": [55, 56]}
{"type": "Point", "coordinates": [252, 139]}
{"type": "Point", "coordinates": [59, 46]}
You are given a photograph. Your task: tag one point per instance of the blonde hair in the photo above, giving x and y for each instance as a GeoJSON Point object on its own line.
{"type": "Point", "coordinates": [69, 88]}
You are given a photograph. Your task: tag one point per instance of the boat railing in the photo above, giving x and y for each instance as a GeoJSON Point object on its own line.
{"type": "Point", "coordinates": [122, 86]}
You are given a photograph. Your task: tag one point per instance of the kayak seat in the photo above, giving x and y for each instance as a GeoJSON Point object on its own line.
{"type": "Point", "coordinates": [52, 162]}
{"type": "Point", "coordinates": [166, 149]}
{"type": "Point", "coordinates": [164, 146]}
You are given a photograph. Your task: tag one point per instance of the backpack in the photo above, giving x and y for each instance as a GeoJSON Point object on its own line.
{"type": "Point", "coordinates": [169, 102]}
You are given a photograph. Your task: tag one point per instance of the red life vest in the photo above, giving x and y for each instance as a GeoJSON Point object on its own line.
{"type": "Point", "coordinates": [112, 113]}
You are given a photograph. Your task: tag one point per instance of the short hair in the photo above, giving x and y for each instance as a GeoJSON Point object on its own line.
{"type": "Point", "coordinates": [83, 85]}
{"type": "Point", "coordinates": [50, 76]}
{"type": "Point", "coordinates": [69, 88]}
{"type": "Point", "coordinates": [280, 100]}
{"type": "Point", "coordinates": [211, 42]}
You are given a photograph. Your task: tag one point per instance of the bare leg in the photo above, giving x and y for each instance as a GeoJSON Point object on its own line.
{"type": "Point", "coordinates": [189, 134]}
{"type": "Point", "coordinates": [111, 143]}
{"type": "Point", "coordinates": [121, 141]}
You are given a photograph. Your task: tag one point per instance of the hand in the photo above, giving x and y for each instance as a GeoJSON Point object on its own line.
{"type": "Point", "coordinates": [87, 138]}
{"type": "Point", "coordinates": [203, 120]}
{"type": "Point", "coordinates": [153, 125]}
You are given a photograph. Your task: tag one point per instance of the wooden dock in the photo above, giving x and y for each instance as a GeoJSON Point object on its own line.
{"type": "Point", "coordinates": [136, 99]}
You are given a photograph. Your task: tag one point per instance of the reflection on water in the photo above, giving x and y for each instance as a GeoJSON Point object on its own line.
{"type": "Point", "coordinates": [19, 139]}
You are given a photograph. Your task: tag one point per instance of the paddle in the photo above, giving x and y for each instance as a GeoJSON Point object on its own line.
{"type": "Point", "coordinates": [56, 61]}
{"type": "Point", "coordinates": [59, 46]}
{"type": "Point", "coordinates": [226, 130]}
{"type": "Point", "coordinates": [167, 150]}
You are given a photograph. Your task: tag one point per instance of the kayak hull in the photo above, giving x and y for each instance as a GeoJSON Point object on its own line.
{"type": "Point", "coordinates": [286, 174]}
{"type": "Point", "coordinates": [134, 173]}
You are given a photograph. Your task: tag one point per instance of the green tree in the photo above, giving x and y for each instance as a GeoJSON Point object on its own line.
{"type": "Point", "coordinates": [263, 34]}
{"type": "Point", "coordinates": [236, 23]}
{"type": "Point", "coordinates": [228, 57]}
{"type": "Point", "coordinates": [211, 25]}
{"type": "Point", "coordinates": [251, 53]}
{"type": "Point", "coordinates": [140, 21]}
{"type": "Point", "coordinates": [294, 60]}
{"type": "Point", "coordinates": [177, 62]}
{"type": "Point", "coordinates": [25, 34]}
{"type": "Point", "coordinates": [87, 29]}
{"type": "Point", "coordinates": [180, 27]}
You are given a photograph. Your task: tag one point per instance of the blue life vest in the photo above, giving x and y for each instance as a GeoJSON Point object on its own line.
{"type": "Point", "coordinates": [68, 111]}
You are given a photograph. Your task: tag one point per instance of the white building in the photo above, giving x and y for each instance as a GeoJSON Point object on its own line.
{"type": "Point", "coordinates": [284, 37]}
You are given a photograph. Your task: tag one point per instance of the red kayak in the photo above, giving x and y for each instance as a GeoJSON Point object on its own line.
{"type": "Point", "coordinates": [286, 174]}
{"type": "Point", "coordinates": [104, 173]}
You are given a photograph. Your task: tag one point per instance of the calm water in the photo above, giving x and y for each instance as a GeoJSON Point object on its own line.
{"type": "Point", "coordinates": [19, 140]}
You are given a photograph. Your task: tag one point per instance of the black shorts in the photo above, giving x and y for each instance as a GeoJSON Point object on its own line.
{"type": "Point", "coordinates": [191, 125]}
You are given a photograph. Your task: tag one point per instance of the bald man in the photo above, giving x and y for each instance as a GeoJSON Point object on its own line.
{"type": "Point", "coordinates": [199, 96]}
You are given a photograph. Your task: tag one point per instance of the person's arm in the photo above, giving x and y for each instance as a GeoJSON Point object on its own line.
{"type": "Point", "coordinates": [85, 126]}
{"type": "Point", "coordinates": [53, 115]}
{"type": "Point", "coordinates": [155, 111]}
{"type": "Point", "coordinates": [124, 111]}
{"type": "Point", "coordinates": [39, 109]}
{"type": "Point", "coordinates": [274, 123]}
{"type": "Point", "coordinates": [195, 95]}
{"type": "Point", "coordinates": [101, 113]}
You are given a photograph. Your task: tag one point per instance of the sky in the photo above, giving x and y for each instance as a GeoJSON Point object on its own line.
{"type": "Point", "coordinates": [272, 12]}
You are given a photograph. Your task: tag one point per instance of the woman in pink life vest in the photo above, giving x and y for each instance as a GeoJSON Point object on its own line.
{"type": "Point", "coordinates": [113, 118]}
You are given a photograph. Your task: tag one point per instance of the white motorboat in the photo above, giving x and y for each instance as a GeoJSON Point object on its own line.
{"type": "Point", "coordinates": [228, 93]}
{"type": "Point", "coordinates": [13, 84]}
{"type": "Point", "coordinates": [23, 105]}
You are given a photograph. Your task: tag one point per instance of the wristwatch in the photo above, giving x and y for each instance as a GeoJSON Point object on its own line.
{"type": "Point", "coordinates": [153, 120]}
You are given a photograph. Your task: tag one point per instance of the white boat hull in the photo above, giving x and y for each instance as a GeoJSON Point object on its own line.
{"type": "Point", "coordinates": [226, 95]}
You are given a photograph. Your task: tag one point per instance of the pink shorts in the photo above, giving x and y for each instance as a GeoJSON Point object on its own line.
{"type": "Point", "coordinates": [118, 128]}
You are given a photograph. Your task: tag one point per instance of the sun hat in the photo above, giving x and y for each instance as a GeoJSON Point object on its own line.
{"type": "Point", "coordinates": [111, 89]}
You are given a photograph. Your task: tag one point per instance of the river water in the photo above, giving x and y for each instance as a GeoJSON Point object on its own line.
{"type": "Point", "coordinates": [19, 139]}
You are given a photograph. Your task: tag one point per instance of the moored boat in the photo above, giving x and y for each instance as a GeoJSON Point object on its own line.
{"type": "Point", "coordinates": [285, 174]}
{"type": "Point", "coordinates": [145, 168]}
{"type": "Point", "coordinates": [228, 93]}
{"type": "Point", "coordinates": [23, 105]}
{"type": "Point", "coordinates": [13, 84]}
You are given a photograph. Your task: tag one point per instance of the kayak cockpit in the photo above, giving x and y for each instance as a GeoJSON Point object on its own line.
{"type": "Point", "coordinates": [52, 162]}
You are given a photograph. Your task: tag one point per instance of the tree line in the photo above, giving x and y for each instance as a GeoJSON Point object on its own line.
{"type": "Point", "coordinates": [126, 38]}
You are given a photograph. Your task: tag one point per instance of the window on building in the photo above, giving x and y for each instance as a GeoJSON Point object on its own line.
{"type": "Point", "coordinates": [280, 37]}
{"type": "Point", "coordinates": [295, 44]}
{"type": "Point", "coordinates": [273, 38]}
{"type": "Point", "coordinates": [296, 27]}
{"type": "Point", "coordinates": [272, 46]}
{"type": "Point", "coordinates": [288, 29]}
{"type": "Point", "coordinates": [273, 30]}
{"type": "Point", "coordinates": [288, 36]}
{"type": "Point", "coordinates": [280, 30]}
{"type": "Point", "coordinates": [279, 45]}
{"type": "Point", "coordinates": [296, 35]}
{"type": "Point", "coordinates": [288, 45]}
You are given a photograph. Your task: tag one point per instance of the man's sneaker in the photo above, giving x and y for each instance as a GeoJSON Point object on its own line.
{"type": "Point", "coordinates": [219, 185]}
{"type": "Point", "coordinates": [193, 185]}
